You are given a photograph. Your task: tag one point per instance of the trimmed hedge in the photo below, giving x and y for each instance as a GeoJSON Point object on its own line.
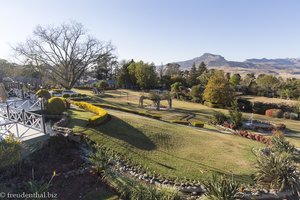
{"type": "Point", "coordinates": [244, 105]}
{"type": "Point", "coordinates": [99, 118]}
{"type": "Point", "coordinates": [154, 116]}
{"type": "Point", "coordinates": [181, 122]}
{"type": "Point", "coordinates": [260, 107]}
{"type": "Point", "coordinates": [66, 95]}
{"type": "Point", "coordinates": [56, 106]}
{"type": "Point", "coordinates": [198, 124]}
{"type": "Point", "coordinates": [57, 90]}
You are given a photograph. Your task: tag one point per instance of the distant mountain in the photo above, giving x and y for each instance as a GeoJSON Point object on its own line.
{"type": "Point", "coordinates": [289, 67]}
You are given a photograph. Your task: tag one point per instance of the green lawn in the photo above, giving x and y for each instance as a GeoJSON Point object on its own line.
{"type": "Point", "coordinates": [170, 149]}
{"type": "Point", "coordinates": [202, 113]}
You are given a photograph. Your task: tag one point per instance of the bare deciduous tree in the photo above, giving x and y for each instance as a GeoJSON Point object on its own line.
{"type": "Point", "coordinates": [64, 51]}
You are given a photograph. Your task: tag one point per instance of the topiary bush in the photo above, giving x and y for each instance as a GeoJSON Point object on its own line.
{"type": "Point", "coordinates": [43, 93]}
{"type": "Point", "coordinates": [56, 106]}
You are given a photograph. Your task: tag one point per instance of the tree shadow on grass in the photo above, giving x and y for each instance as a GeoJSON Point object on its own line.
{"type": "Point", "coordinates": [121, 130]}
{"type": "Point", "coordinates": [118, 129]}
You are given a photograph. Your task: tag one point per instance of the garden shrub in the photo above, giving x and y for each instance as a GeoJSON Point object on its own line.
{"type": "Point", "coordinates": [277, 171]}
{"type": "Point", "coordinates": [101, 114]}
{"type": "Point", "coordinates": [10, 152]}
{"type": "Point", "coordinates": [56, 106]}
{"type": "Point", "coordinates": [235, 114]}
{"type": "Point", "coordinates": [280, 144]}
{"type": "Point", "coordinates": [66, 95]}
{"type": "Point", "coordinates": [269, 112]}
{"type": "Point", "coordinates": [294, 116]}
{"type": "Point", "coordinates": [181, 122]}
{"type": "Point", "coordinates": [278, 113]}
{"type": "Point", "coordinates": [198, 124]}
{"type": "Point", "coordinates": [287, 115]}
{"type": "Point", "coordinates": [221, 188]}
{"type": "Point", "coordinates": [218, 118]}
{"type": "Point", "coordinates": [133, 190]}
{"type": "Point", "coordinates": [43, 93]}
{"type": "Point", "coordinates": [260, 108]}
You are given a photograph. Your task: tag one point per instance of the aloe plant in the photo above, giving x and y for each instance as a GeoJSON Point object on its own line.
{"type": "Point", "coordinates": [277, 171]}
{"type": "Point", "coordinates": [221, 188]}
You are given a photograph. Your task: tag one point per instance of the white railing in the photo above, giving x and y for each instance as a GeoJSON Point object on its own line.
{"type": "Point", "coordinates": [8, 129]}
{"type": "Point", "coordinates": [21, 94]}
{"type": "Point", "coordinates": [19, 119]}
{"type": "Point", "coordinates": [26, 118]}
{"type": "Point", "coordinates": [29, 104]}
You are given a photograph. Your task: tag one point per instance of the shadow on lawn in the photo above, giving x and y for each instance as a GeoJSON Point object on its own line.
{"type": "Point", "coordinates": [121, 130]}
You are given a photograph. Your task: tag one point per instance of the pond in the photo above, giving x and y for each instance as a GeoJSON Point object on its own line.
{"type": "Point", "coordinates": [257, 125]}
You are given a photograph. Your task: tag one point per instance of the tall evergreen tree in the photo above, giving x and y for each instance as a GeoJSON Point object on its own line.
{"type": "Point", "coordinates": [193, 74]}
{"type": "Point", "coordinates": [123, 77]}
{"type": "Point", "coordinates": [202, 68]}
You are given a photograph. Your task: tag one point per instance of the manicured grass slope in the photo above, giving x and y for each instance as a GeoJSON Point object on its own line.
{"type": "Point", "coordinates": [202, 113]}
{"type": "Point", "coordinates": [171, 149]}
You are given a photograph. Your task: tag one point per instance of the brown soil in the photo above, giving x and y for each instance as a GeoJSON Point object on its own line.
{"type": "Point", "coordinates": [60, 155]}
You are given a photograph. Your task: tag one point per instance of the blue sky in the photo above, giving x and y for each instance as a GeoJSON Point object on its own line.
{"type": "Point", "coordinates": [163, 31]}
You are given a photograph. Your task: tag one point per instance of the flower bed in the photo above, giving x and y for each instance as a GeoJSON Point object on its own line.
{"type": "Point", "coordinates": [249, 135]}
